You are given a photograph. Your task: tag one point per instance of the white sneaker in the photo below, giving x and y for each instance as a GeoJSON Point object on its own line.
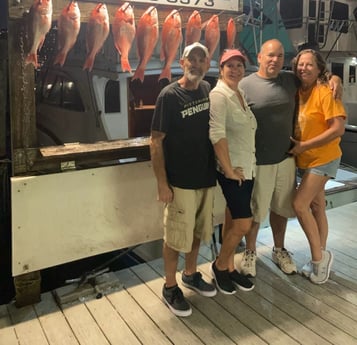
{"type": "Point", "coordinates": [284, 261]}
{"type": "Point", "coordinates": [321, 270]}
{"type": "Point", "coordinates": [307, 269]}
{"type": "Point", "coordinates": [247, 266]}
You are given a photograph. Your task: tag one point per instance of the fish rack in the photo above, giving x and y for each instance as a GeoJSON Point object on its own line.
{"type": "Point", "coordinates": [27, 157]}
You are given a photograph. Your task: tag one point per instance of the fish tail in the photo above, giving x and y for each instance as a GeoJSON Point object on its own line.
{"type": "Point", "coordinates": [60, 59]}
{"type": "Point", "coordinates": [89, 63]}
{"type": "Point", "coordinates": [165, 73]}
{"type": "Point", "coordinates": [125, 65]}
{"type": "Point", "coordinates": [139, 74]}
{"type": "Point", "coordinates": [31, 58]}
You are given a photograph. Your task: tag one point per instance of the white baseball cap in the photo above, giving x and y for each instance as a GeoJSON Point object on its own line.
{"type": "Point", "coordinates": [196, 45]}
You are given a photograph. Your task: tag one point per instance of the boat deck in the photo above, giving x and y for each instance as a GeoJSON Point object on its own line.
{"type": "Point", "coordinates": [280, 310]}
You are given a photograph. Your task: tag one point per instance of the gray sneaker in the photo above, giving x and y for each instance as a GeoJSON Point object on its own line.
{"type": "Point", "coordinates": [196, 283]}
{"type": "Point", "coordinates": [307, 269]}
{"type": "Point", "coordinates": [321, 270]}
{"type": "Point", "coordinates": [247, 266]}
{"type": "Point", "coordinates": [174, 299]}
{"type": "Point", "coordinates": [283, 260]}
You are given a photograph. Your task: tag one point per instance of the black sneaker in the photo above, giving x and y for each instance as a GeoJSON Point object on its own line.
{"type": "Point", "coordinates": [240, 281]}
{"type": "Point", "coordinates": [174, 299]}
{"type": "Point", "coordinates": [223, 282]}
{"type": "Point", "coordinates": [196, 283]}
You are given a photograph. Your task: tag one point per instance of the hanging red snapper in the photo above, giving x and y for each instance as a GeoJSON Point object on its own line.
{"type": "Point", "coordinates": [123, 29]}
{"type": "Point", "coordinates": [69, 24]}
{"type": "Point", "coordinates": [212, 35]}
{"type": "Point", "coordinates": [38, 25]}
{"type": "Point", "coordinates": [171, 38]}
{"type": "Point", "coordinates": [231, 33]}
{"type": "Point", "coordinates": [193, 28]}
{"type": "Point", "coordinates": [97, 33]}
{"type": "Point", "coordinates": [147, 35]}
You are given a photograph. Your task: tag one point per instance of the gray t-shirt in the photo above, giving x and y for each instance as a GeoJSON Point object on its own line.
{"type": "Point", "coordinates": [273, 104]}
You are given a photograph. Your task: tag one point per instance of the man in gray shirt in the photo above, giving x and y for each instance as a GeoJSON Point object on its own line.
{"type": "Point", "coordinates": [270, 93]}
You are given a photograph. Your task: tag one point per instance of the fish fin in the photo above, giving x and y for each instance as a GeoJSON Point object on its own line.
{"type": "Point", "coordinates": [125, 65]}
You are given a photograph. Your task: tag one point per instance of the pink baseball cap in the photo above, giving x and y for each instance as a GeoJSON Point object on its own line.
{"type": "Point", "coordinates": [229, 53]}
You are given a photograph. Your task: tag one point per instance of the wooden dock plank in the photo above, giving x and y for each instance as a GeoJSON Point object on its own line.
{"type": "Point", "coordinates": [303, 286]}
{"type": "Point", "coordinates": [110, 322]}
{"type": "Point", "coordinates": [3, 310]}
{"type": "Point", "coordinates": [250, 318]}
{"type": "Point", "coordinates": [7, 335]}
{"type": "Point", "coordinates": [343, 260]}
{"type": "Point", "coordinates": [345, 322]}
{"type": "Point", "coordinates": [27, 326]}
{"type": "Point", "coordinates": [346, 285]}
{"type": "Point", "coordinates": [215, 313]}
{"type": "Point", "coordinates": [267, 309]}
{"type": "Point", "coordinates": [334, 318]}
{"type": "Point", "coordinates": [304, 308]}
{"type": "Point", "coordinates": [332, 293]}
{"type": "Point", "coordinates": [84, 326]}
{"type": "Point", "coordinates": [53, 322]}
{"type": "Point", "coordinates": [133, 314]}
{"type": "Point", "coordinates": [245, 314]}
{"type": "Point", "coordinates": [198, 323]}
{"type": "Point", "coordinates": [341, 285]}
{"type": "Point", "coordinates": [286, 319]}
{"type": "Point", "coordinates": [7, 330]}
{"type": "Point", "coordinates": [174, 328]}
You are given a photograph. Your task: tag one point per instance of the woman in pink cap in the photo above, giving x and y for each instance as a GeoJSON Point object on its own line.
{"type": "Point", "coordinates": [232, 132]}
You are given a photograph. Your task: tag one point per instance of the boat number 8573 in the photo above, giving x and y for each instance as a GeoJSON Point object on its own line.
{"type": "Point", "coordinates": [207, 3]}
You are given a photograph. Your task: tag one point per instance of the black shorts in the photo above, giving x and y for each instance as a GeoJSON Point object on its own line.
{"type": "Point", "coordinates": [237, 197]}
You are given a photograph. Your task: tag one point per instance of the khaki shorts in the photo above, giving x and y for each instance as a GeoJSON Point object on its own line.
{"type": "Point", "coordinates": [190, 214]}
{"type": "Point", "coordinates": [274, 189]}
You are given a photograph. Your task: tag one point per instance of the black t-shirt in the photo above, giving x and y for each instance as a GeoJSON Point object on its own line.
{"type": "Point", "coordinates": [183, 116]}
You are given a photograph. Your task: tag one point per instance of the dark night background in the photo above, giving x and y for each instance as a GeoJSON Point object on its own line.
{"type": "Point", "coordinates": [3, 14]}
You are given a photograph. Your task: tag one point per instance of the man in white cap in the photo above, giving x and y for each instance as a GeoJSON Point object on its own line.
{"type": "Point", "coordinates": [184, 166]}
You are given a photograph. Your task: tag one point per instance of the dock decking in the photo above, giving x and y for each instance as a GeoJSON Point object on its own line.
{"type": "Point", "coordinates": [280, 310]}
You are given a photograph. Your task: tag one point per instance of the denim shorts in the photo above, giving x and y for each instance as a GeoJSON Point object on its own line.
{"type": "Point", "coordinates": [329, 169]}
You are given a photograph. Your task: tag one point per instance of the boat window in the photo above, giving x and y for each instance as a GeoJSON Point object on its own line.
{"type": "Point", "coordinates": [337, 69]}
{"type": "Point", "coordinates": [112, 97]}
{"type": "Point", "coordinates": [61, 92]}
{"type": "Point", "coordinates": [352, 74]}
{"type": "Point", "coordinates": [339, 17]}
{"type": "Point", "coordinates": [291, 13]}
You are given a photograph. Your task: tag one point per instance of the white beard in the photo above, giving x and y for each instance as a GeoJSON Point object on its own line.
{"type": "Point", "coordinates": [194, 78]}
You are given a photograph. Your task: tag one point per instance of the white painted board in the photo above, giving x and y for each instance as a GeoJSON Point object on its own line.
{"type": "Point", "coordinates": [59, 218]}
